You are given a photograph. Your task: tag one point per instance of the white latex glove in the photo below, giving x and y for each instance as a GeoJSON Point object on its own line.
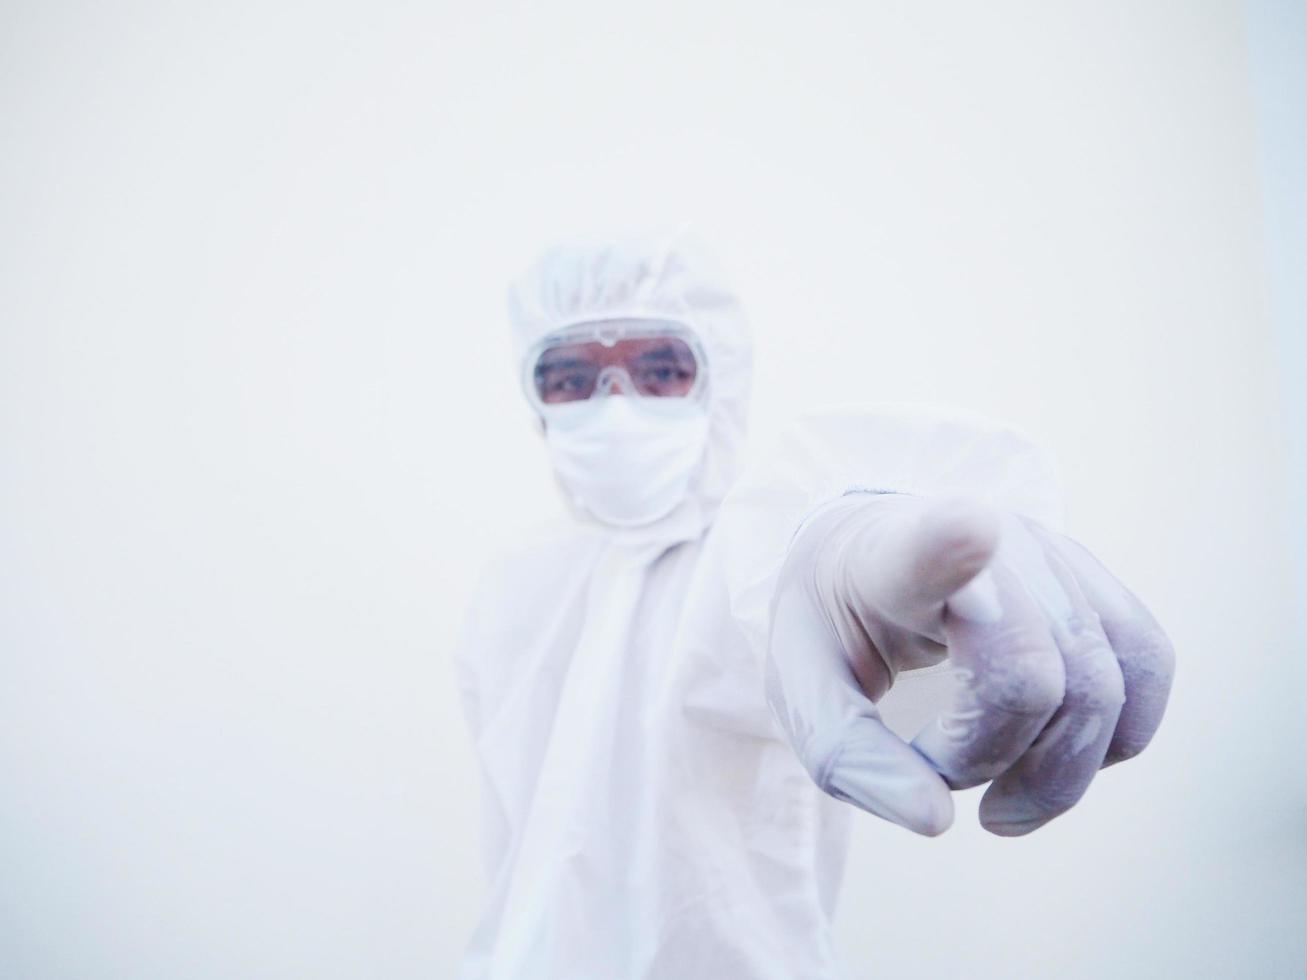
{"type": "Point", "coordinates": [1059, 669]}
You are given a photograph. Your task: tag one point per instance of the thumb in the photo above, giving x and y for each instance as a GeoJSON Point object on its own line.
{"type": "Point", "coordinates": [873, 769]}
{"type": "Point", "coordinates": [834, 727]}
{"type": "Point", "coordinates": [912, 554]}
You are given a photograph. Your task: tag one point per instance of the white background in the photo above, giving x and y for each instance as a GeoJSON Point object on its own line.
{"type": "Point", "coordinates": [260, 425]}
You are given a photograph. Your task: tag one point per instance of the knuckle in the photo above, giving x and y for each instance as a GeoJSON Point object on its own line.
{"type": "Point", "coordinates": [1102, 694]}
{"type": "Point", "coordinates": [1096, 683]}
{"type": "Point", "coordinates": [1124, 748]}
{"type": "Point", "coordinates": [1152, 654]}
{"type": "Point", "coordinates": [1022, 675]}
{"type": "Point", "coordinates": [1129, 740]}
{"type": "Point", "coordinates": [1025, 689]}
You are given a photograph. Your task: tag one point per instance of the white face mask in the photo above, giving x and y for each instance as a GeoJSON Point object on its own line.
{"type": "Point", "coordinates": [626, 460]}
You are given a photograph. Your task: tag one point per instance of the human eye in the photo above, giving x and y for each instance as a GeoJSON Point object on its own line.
{"type": "Point", "coordinates": [573, 382]}
{"type": "Point", "coordinates": [557, 384]}
{"type": "Point", "coordinates": [664, 379]}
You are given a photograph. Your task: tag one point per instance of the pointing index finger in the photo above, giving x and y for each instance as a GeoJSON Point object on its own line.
{"type": "Point", "coordinates": [915, 555]}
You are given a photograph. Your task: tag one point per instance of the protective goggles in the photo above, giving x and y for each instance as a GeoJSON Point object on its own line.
{"type": "Point", "coordinates": [645, 358]}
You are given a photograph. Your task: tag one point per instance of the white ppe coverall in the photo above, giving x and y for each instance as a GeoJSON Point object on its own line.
{"type": "Point", "coordinates": [646, 814]}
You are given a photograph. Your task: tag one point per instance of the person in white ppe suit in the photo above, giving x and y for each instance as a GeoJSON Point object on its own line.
{"type": "Point", "coordinates": [675, 698]}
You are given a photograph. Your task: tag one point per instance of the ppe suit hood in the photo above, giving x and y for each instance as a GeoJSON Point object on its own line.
{"type": "Point", "coordinates": [671, 277]}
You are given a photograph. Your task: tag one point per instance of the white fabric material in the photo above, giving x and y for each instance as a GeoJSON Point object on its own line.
{"type": "Point", "coordinates": [625, 460]}
{"type": "Point", "coordinates": [645, 818]}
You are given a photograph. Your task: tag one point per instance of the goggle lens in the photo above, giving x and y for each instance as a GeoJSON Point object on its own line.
{"type": "Point", "coordinates": [657, 367]}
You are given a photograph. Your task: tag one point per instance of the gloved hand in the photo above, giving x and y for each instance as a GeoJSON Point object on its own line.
{"type": "Point", "coordinates": [1059, 670]}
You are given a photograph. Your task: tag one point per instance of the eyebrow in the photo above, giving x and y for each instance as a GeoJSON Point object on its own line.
{"type": "Point", "coordinates": [668, 353]}
{"type": "Point", "coordinates": [563, 363]}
